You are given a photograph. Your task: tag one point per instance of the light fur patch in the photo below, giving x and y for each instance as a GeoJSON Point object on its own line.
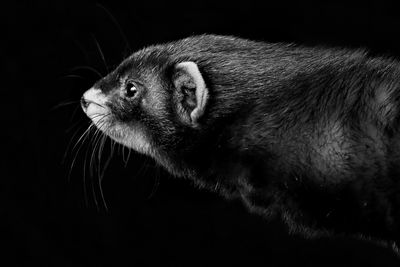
{"type": "Point", "coordinates": [96, 109]}
{"type": "Point", "coordinates": [130, 136]}
{"type": "Point", "coordinates": [201, 89]}
{"type": "Point", "coordinates": [331, 150]}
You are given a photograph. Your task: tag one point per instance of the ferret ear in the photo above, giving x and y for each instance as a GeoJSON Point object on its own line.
{"type": "Point", "coordinates": [191, 91]}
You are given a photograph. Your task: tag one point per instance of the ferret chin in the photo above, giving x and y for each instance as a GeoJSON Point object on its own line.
{"type": "Point", "coordinates": [307, 134]}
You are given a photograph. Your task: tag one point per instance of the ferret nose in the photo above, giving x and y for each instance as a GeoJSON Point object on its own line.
{"type": "Point", "coordinates": [84, 103]}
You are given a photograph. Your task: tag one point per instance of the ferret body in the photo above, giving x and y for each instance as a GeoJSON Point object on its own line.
{"type": "Point", "coordinates": [307, 134]}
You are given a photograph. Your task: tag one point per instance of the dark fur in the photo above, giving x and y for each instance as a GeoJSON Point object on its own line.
{"type": "Point", "coordinates": [307, 134]}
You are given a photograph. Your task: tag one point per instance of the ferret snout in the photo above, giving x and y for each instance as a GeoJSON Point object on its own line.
{"type": "Point", "coordinates": [93, 102]}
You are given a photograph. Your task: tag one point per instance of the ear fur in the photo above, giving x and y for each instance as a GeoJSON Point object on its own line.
{"type": "Point", "coordinates": [192, 91]}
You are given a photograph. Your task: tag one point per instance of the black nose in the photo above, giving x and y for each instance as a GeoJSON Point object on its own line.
{"type": "Point", "coordinates": [84, 103]}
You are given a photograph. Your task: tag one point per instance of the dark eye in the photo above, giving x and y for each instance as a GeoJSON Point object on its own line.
{"type": "Point", "coordinates": [130, 89]}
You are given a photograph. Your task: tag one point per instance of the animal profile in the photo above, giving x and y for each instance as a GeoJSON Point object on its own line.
{"type": "Point", "coordinates": [310, 135]}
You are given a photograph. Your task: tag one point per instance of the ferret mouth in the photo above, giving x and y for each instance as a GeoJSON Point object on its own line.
{"type": "Point", "coordinates": [97, 113]}
{"type": "Point", "coordinates": [93, 103]}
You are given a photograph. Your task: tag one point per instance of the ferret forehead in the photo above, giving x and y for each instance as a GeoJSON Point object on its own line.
{"type": "Point", "coordinates": [107, 83]}
{"type": "Point", "coordinates": [143, 62]}
{"type": "Point", "coordinates": [155, 58]}
{"type": "Point", "coordinates": [127, 68]}
{"type": "Point", "coordinates": [161, 55]}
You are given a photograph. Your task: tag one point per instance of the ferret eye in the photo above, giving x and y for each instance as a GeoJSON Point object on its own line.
{"type": "Point", "coordinates": [130, 90]}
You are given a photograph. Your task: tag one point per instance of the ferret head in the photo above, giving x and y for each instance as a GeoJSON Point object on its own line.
{"type": "Point", "coordinates": [163, 100]}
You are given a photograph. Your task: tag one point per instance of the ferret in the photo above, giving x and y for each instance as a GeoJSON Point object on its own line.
{"type": "Point", "coordinates": [309, 135]}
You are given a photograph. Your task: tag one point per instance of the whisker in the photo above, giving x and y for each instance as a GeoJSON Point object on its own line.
{"type": "Point", "coordinates": [146, 167]}
{"type": "Point", "coordinates": [113, 147]}
{"type": "Point", "coordinates": [156, 182]}
{"type": "Point", "coordinates": [64, 104]}
{"type": "Point", "coordinates": [94, 195]}
{"type": "Point", "coordinates": [100, 52]}
{"type": "Point", "coordinates": [74, 112]}
{"type": "Point", "coordinates": [119, 149]}
{"type": "Point", "coordinates": [84, 177]}
{"type": "Point", "coordinates": [142, 167]}
{"type": "Point", "coordinates": [79, 148]}
{"type": "Point", "coordinates": [70, 142]}
{"type": "Point", "coordinates": [82, 48]}
{"type": "Point", "coordinates": [100, 152]}
{"type": "Point", "coordinates": [97, 143]}
{"type": "Point", "coordinates": [83, 135]}
{"type": "Point", "coordinates": [129, 155]}
{"type": "Point", "coordinates": [98, 148]}
{"type": "Point", "coordinates": [99, 115]}
{"type": "Point", "coordinates": [70, 128]}
{"type": "Point", "coordinates": [101, 175]}
{"type": "Point", "coordinates": [87, 68]}
{"type": "Point", "coordinates": [127, 45]}
{"type": "Point", "coordinates": [125, 159]}
{"type": "Point", "coordinates": [94, 146]}
{"type": "Point", "coordinates": [107, 162]}
{"type": "Point", "coordinates": [75, 76]}
{"type": "Point", "coordinates": [123, 155]}
{"type": "Point", "coordinates": [97, 138]}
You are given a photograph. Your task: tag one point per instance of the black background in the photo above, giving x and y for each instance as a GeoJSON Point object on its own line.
{"type": "Point", "coordinates": [152, 219]}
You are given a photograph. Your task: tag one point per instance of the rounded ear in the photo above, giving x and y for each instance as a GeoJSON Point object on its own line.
{"type": "Point", "coordinates": [191, 90]}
